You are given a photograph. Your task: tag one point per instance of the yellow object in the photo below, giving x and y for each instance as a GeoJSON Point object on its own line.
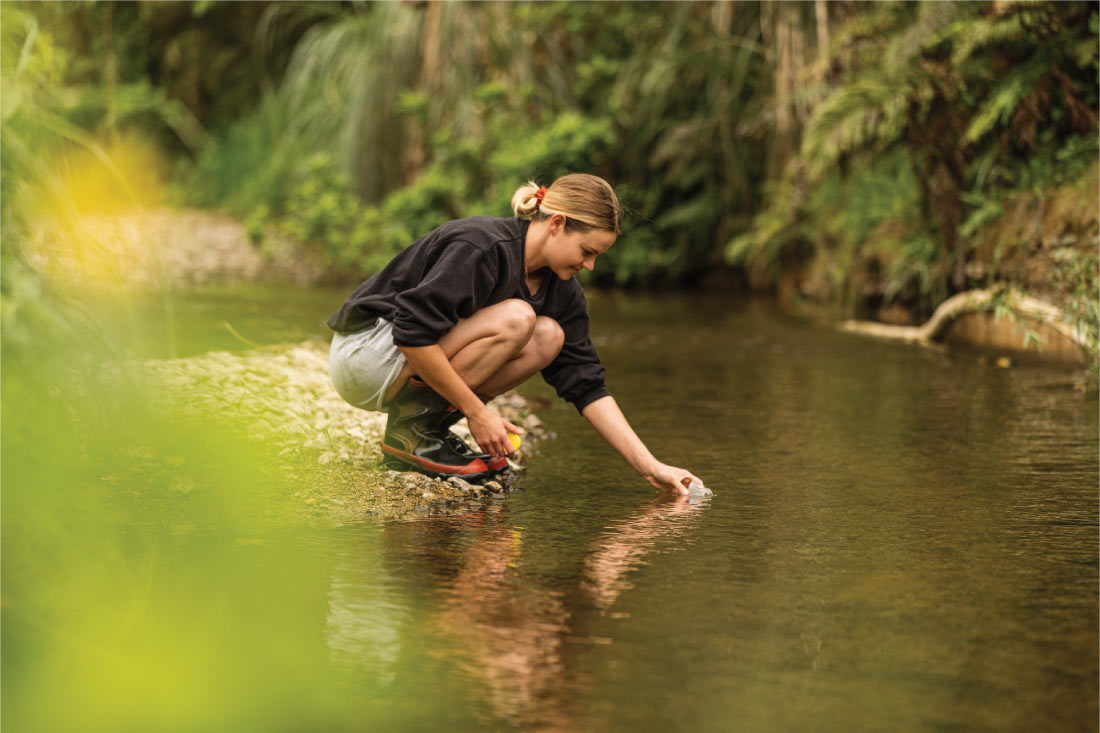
{"type": "Point", "coordinates": [514, 440]}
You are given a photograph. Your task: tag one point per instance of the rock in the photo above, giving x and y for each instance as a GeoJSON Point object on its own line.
{"type": "Point", "coordinates": [493, 486]}
{"type": "Point", "coordinates": [460, 484]}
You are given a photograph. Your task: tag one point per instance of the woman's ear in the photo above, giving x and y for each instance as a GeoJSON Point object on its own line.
{"type": "Point", "coordinates": [557, 223]}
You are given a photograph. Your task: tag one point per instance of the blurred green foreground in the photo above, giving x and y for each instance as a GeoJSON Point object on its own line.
{"type": "Point", "coordinates": [875, 158]}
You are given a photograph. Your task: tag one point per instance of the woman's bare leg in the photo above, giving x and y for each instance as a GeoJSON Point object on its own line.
{"type": "Point", "coordinates": [537, 353]}
{"type": "Point", "coordinates": [480, 345]}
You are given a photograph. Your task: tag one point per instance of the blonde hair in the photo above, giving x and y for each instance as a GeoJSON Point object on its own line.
{"type": "Point", "coordinates": [588, 202]}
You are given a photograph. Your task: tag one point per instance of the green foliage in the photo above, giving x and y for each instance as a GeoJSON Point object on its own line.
{"type": "Point", "coordinates": [126, 529]}
{"type": "Point", "coordinates": [422, 140]}
{"type": "Point", "coordinates": [865, 230]}
{"type": "Point", "coordinates": [868, 113]}
{"type": "Point", "coordinates": [1005, 99]}
{"type": "Point", "coordinates": [324, 209]}
{"type": "Point", "coordinates": [381, 120]}
{"type": "Point", "coordinates": [934, 109]}
{"type": "Point", "coordinates": [253, 164]}
{"type": "Point", "coordinates": [1077, 277]}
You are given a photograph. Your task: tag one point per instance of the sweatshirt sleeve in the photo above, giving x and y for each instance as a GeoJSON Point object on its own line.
{"type": "Point", "coordinates": [577, 374]}
{"type": "Point", "coordinates": [457, 283]}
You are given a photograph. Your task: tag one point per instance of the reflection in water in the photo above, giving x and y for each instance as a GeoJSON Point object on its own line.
{"type": "Point", "coordinates": [900, 536]}
{"type": "Point", "coordinates": [365, 616]}
{"type": "Point", "coordinates": [511, 632]}
{"type": "Point", "coordinates": [625, 543]}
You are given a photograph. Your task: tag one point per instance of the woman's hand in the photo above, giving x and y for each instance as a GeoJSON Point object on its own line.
{"type": "Point", "coordinates": [670, 478]}
{"type": "Point", "coordinates": [490, 430]}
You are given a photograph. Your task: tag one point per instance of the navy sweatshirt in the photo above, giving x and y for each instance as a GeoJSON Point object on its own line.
{"type": "Point", "coordinates": [461, 267]}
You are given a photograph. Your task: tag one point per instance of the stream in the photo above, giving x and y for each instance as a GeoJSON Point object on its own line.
{"type": "Point", "coordinates": [900, 538]}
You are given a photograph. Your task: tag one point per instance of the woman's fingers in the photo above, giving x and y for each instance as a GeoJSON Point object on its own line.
{"type": "Point", "coordinates": [490, 431]}
{"type": "Point", "coordinates": [690, 478]}
{"type": "Point", "coordinates": [679, 479]}
{"type": "Point", "coordinates": [496, 447]}
{"type": "Point", "coordinates": [513, 429]}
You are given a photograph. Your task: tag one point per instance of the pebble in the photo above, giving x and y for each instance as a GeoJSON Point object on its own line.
{"type": "Point", "coordinates": [460, 484]}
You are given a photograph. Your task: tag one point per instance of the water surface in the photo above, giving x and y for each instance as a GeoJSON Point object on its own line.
{"type": "Point", "coordinates": [900, 538]}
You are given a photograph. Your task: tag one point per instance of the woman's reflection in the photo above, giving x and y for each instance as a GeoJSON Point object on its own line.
{"type": "Point", "coordinates": [512, 630]}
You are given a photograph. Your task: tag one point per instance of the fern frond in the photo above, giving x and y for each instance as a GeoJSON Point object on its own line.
{"type": "Point", "coordinates": [1004, 99]}
{"type": "Point", "coordinates": [968, 36]}
{"type": "Point", "coordinates": [932, 18]}
{"type": "Point", "coordinates": [868, 111]}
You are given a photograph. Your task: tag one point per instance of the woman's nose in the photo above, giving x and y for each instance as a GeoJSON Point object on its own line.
{"type": "Point", "coordinates": [590, 264]}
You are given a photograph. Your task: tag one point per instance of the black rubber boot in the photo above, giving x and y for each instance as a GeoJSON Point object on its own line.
{"type": "Point", "coordinates": [496, 465]}
{"type": "Point", "coordinates": [414, 440]}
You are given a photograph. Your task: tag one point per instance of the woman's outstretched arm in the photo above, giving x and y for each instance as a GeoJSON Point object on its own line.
{"type": "Point", "coordinates": [611, 424]}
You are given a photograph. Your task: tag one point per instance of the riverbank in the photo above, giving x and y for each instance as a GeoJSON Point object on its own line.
{"type": "Point", "coordinates": [998, 320]}
{"type": "Point", "coordinates": [157, 249]}
{"type": "Point", "coordinates": [162, 250]}
{"type": "Point", "coordinates": [151, 250]}
{"type": "Point", "coordinates": [282, 397]}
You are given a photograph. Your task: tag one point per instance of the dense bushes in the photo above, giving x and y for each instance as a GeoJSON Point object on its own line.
{"type": "Point", "coordinates": [528, 91]}
{"type": "Point", "coordinates": [938, 115]}
{"type": "Point", "coordinates": [867, 154]}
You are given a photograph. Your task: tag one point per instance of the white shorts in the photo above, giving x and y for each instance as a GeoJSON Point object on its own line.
{"type": "Point", "coordinates": [365, 364]}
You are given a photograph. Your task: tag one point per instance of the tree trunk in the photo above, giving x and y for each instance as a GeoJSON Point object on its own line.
{"type": "Point", "coordinates": [821, 12]}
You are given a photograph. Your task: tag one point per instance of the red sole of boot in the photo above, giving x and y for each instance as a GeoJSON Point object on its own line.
{"type": "Point", "coordinates": [436, 470]}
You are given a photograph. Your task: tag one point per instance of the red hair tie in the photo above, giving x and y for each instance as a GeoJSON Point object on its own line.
{"type": "Point", "coordinates": [540, 195]}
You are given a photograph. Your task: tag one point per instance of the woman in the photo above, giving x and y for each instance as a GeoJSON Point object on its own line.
{"type": "Point", "coordinates": [471, 310]}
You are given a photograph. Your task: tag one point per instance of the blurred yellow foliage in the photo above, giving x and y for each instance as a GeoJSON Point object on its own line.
{"type": "Point", "coordinates": [77, 212]}
{"type": "Point", "coordinates": [117, 176]}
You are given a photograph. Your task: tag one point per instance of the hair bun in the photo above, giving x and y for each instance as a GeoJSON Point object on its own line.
{"type": "Point", "coordinates": [586, 201]}
{"type": "Point", "coordinates": [525, 202]}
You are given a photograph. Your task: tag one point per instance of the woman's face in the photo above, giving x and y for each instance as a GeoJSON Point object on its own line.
{"type": "Point", "coordinates": [567, 253]}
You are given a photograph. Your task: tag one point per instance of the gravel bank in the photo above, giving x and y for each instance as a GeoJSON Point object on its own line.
{"type": "Point", "coordinates": [148, 250]}
{"type": "Point", "coordinates": [283, 396]}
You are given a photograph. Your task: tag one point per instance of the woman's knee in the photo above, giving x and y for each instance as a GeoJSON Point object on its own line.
{"type": "Point", "coordinates": [517, 320]}
{"type": "Point", "coordinates": [548, 338]}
